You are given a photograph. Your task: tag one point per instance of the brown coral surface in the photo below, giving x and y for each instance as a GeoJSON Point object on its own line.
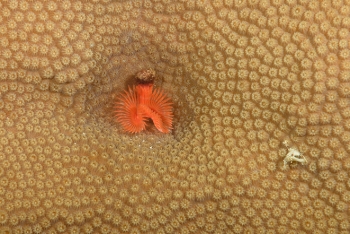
{"type": "Point", "coordinates": [244, 76]}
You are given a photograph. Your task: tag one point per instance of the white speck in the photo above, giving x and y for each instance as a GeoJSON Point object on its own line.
{"type": "Point", "coordinates": [293, 155]}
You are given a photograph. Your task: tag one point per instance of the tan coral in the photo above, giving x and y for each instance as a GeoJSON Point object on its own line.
{"type": "Point", "coordinates": [244, 77]}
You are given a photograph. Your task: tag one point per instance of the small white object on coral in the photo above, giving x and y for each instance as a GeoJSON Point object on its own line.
{"type": "Point", "coordinates": [293, 155]}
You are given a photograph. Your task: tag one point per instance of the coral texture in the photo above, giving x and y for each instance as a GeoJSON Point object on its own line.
{"type": "Point", "coordinates": [244, 75]}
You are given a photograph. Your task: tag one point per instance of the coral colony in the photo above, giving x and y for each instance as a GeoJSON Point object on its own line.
{"type": "Point", "coordinates": [244, 74]}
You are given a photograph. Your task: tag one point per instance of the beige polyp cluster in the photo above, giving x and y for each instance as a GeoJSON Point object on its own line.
{"type": "Point", "coordinates": [244, 76]}
{"type": "Point", "coordinates": [47, 42]}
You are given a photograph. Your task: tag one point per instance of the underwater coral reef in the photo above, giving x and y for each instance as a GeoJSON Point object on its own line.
{"type": "Point", "coordinates": [260, 136]}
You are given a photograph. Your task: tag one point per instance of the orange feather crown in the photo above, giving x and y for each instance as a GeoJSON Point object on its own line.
{"type": "Point", "coordinates": [143, 102]}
